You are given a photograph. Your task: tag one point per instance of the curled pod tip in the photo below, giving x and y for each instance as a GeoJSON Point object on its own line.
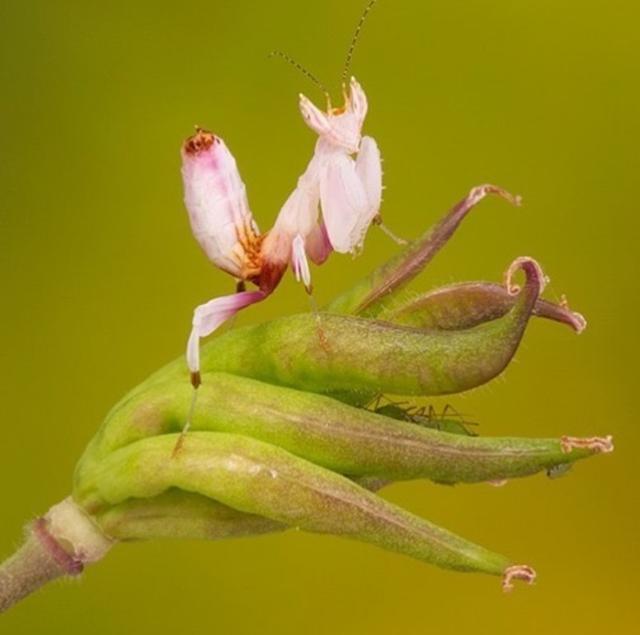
{"type": "Point", "coordinates": [560, 312]}
{"type": "Point", "coordinates": [517, 572]}
{"type": "Point", "coordinates": [599, 445]}
{"type": "Point", "coordinates": [532, 270]}
{"type": "Point", "coordinates": [467, 304]}
{"type": "Point", "coordinates": [578, 321]}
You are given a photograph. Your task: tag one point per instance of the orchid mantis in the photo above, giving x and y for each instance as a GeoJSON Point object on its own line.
{"type": "Point", "coordinates": [333, 204]}
{"type": "Point", "coordinates": [330, 209]}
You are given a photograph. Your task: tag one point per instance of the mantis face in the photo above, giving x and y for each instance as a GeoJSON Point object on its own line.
{"type": "Point", "coordinates": [341, 127]}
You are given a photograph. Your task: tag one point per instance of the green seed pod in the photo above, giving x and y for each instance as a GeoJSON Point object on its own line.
{"type": "Point", "coordinates": [328, 353]}
{"type": "Point", "coordinates": [465, 305]}
{"type": "Point", "coordinates": [269, 449]}
{"type": "Point", "coordinates": [179, 514]}
{"type": "Point", "coordinates": [339, 437]}
{"type": "Point", "coordinates": [261, 479]}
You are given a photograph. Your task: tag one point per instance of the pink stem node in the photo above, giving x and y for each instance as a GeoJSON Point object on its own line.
{"type": "Point", "coordinates": [70, 564]}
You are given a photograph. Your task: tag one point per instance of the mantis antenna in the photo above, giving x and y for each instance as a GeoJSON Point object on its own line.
{"type": "Point", "coordinates": [301, 68]}
{"type": "Point", "coordinates": [354, 39]}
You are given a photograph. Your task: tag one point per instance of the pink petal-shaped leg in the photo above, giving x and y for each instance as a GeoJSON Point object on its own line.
{"type": "Point", "coordinates": [345, 206]}
{"type": "Point", "coordinates": [208, 317]}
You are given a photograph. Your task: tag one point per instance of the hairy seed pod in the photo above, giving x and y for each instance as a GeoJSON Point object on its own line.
{"type": "Point", "coordinates": [334, 435]}
{"type": "Point", "coordinates": [258, 478]}
{"type": "Point", "coordinates": [467, 304]}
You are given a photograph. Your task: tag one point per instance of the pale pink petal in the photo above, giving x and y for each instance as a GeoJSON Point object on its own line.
{"type": "Point", "coordinates": [345, 208]}
{"type": "Point", "coordinates": [208, 317]}
{"type": "Point", "coordinates": [216, 200]}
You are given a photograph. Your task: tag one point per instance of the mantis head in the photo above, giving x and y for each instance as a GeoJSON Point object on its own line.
{"type": "Point", "coordinates": [340, 127]}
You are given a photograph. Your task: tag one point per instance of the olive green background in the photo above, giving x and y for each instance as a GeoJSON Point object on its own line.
{"type": "Point", "coordinates": [100, 274]}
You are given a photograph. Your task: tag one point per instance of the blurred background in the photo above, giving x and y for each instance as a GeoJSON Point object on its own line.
{"type": "Point", "coordinates": [99, 276]}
